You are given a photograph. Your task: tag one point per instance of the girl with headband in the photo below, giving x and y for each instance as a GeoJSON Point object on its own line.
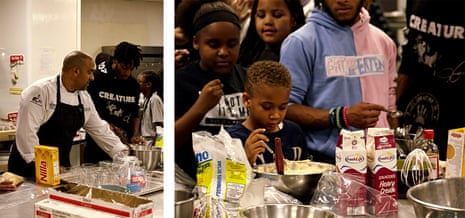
{"type": "Point", "coordinates": [208, 91]}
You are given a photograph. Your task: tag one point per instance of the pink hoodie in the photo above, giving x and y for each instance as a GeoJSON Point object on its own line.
{"type": "Point", "coordinates": [364, 33]}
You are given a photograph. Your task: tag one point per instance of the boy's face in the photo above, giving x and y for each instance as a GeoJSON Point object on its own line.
{"type": "Point", "coordinates": [218, 45]}
{"type": "Point", "coordinates": [267, 106]}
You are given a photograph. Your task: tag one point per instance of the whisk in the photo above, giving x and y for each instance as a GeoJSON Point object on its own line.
{"type": "Point", "coordinates": [416, 168]}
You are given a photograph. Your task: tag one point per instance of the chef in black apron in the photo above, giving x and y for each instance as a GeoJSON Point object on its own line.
{"type": "Point", "coordinates": [58, 131]}
{"type": "Point", "coordinates": [64, 120]}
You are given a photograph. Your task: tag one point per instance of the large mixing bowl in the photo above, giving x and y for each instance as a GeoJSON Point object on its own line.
{"type": "Point", "coordinates": [286, 210]}
{"type": "Point", "coordinates": [439, 198]}
{"type": "Point", "coordinates": [184, 204]}
{"type": "Point", "coordinates": [300, 178]}
{"type": "Point", "coordinates": [149, 155]}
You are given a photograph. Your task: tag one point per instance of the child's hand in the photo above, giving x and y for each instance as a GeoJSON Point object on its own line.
{"type": "Point", "coordinates": [210, 95]}
{"type": "Point", "coordinates": [181, 57]}
{"type": "Point", "coordinates": [255, 144]}
{"type": "Point", "coordinates": [239, 6]}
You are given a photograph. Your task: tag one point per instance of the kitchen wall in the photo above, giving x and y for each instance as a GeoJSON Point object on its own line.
{"type": "Point", "coordinates": [42, 32]}
{"type": "Point", "coordinates": [108, 22]}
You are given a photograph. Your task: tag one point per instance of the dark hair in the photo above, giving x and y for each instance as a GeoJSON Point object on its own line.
{"type": "Point", "coordinates": [189, 11]}
{"type": "Point", "coordinates": [252, 45]}
{"type": "Point", "coordinates": [154, 78]}
{"type": "Point", "coordinates": [101, 57]}
{"type": "Point", "coordinates": [267, 73]}
{"type": "Point", "coordinates": [128, 53]}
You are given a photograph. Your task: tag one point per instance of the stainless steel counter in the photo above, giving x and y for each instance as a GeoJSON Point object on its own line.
{"type": "Point", "coordinates": [405, 209]}
{"type": "Point", "coordinates": [20, 203]}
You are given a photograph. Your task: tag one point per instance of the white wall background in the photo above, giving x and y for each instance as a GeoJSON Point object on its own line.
{"type": "Point", "coordinates": [55, 31]}
{"type": "Point", "coordinates": [44, 32]}
{"type": "Point", "coordinates": [108, 22]}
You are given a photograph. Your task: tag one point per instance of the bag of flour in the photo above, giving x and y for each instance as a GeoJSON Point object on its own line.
{"type": "Point", "coordinates": [223, 173]}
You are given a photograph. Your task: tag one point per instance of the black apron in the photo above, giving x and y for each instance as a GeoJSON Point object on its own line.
{"type": "Point", "coordinates": [58, 131]}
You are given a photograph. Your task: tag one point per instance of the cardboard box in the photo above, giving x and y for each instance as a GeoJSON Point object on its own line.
{"type": "Point", "coordinates": [48, 208]}
{"type": "Point", "coordinates": [47, 165]}
{"type": "Point", "coordinates": [115, 203]}
{"type": "Point", "coordinates": [382, 170]}
{"type": "Point", "coordinates": [455, 153]}
{"type": "Point", "coordinates": [351, 160]}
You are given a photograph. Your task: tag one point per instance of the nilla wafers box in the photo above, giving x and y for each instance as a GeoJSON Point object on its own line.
{"type": "Point", "coordinates": [47, 165]}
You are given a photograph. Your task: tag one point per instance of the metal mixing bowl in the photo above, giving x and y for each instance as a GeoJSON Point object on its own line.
{"type": "Point", "coordinates": [184, 204]}
{"type": "Point", "coordinates": [439, 198]}
{"type": "Point", "coordinates": [301, 183]}
{"type": "Point", "coordinates": [149, 155]}
{"type": "Point", "coordinates": [286, 210]}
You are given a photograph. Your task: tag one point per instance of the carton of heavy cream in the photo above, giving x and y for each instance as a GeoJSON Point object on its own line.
{"type": "Point", "coordinates": [455, 153]}
{"type": "Point", "coordinates": [382, 170]}
{"type": "Point", "coordinates": [47, 165]}
{"type": "Point", "coordinates": [351, 160]}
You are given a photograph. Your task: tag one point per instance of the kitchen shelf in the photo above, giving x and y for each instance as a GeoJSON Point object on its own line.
{"type": "Point", "coordinates": [7, 135]}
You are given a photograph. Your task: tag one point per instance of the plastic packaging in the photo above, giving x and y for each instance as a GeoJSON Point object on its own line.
{"type": "Point", "coordinates": [223, 172]}
{"type": "Point", "coordinates": [334, 186]}
{"type": "Point", "coordinates": [137, 176]}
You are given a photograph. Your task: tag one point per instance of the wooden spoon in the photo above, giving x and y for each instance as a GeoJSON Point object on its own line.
{"type": "Point", "coordinates": [279, 156]}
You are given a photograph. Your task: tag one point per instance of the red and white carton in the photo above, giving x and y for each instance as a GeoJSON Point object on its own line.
{"type": "Point", "coordinates": [351, 160]}
{"type": "Point", "coordinates": [382, 170]}
{"type": "Point", "coordinates": [138, 208]}
{"type": "Point", "coordinates": [48, 208]}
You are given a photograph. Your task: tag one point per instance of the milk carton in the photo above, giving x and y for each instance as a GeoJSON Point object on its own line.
{"type": "Point", "coordinates": [455, 153]}
{"type": "Point", "coordinates": [382, 170]}
{"type": "Point", "coordinates": [351, 160]}
{"type": "Point", "coordinates": [47, 165]}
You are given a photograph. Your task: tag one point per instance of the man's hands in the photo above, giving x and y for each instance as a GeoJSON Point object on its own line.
{"type": "Point", "coordinates": [364, 115]}
{"type": "Point", "coordinates": [120, 133]}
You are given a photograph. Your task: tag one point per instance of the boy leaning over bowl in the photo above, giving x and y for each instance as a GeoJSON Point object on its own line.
{"type": "Point", "coordinates": [266, 97]}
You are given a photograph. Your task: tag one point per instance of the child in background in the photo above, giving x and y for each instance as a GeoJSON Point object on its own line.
{"type": "Point", "coordinates": [272, 21]}
{"type": "Point", "coordinates": [266, 96]}
{"type": "Point", "coordinates": [152, 108]}
{"type": "Point", "coordinates": [207, 91]}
